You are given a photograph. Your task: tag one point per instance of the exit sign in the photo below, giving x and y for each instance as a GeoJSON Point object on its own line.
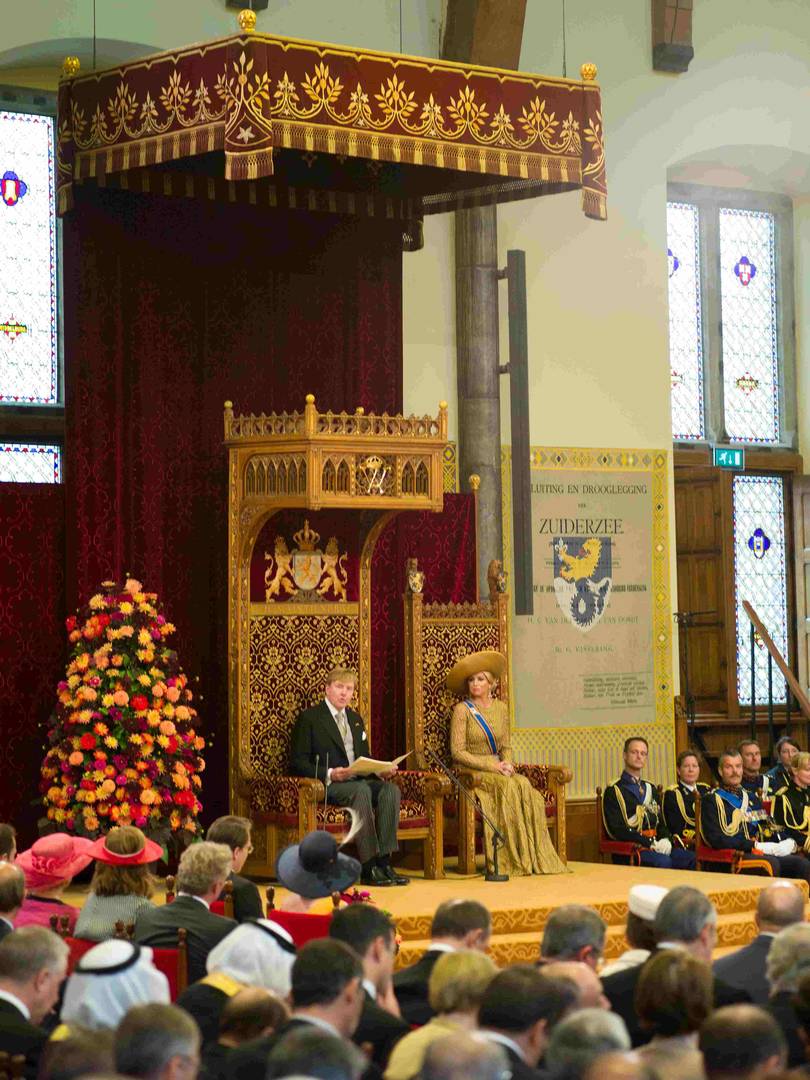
{"type": "Point", "coordinates": [728, 457]}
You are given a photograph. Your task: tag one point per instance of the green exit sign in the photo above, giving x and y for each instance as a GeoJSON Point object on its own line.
{"type": "Point", "coordinates": [728, 457]}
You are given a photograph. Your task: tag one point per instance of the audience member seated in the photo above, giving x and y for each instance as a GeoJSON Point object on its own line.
{"type": "Point", "coordinates": [779, 905]}
{"type": "Point", "coordinates": [108, 981]}
{"type": "Point", "coordinates": [157, 1042]}
{"type": "Point", "coordinates": [259, 953]}
{"type": "Point", "coordinates": [12, 894]}
{"type": "Point", "coordinates": [122, 884]}
{"type": "Point", "coordinates": [580, 1038]}
{"type": "Point", "coordinates": [590, 994]}
{"type": "Point", "coordinates": [252, 1013]}
{"type": "Point", "coordinates": [49, 866]}
{"type": "Point", "coordinates": [201, 875]}
{"type": "Point", "coordinates": [316, 868]}
{"type": "Point", "coordinates": [33, 963]}
{"type": "Point", "coordinates": [8, 843]}
{"type": "Point", "coordinates": [520, 1008]}
{"type": "Point", "coordinates": [371, 934]}
{"type": "Point", "coordinates": [631, 813]}
{"type": "Point", "coordinates": [732, 818]}
{"type": "Point", "coordinates": [753, 779]}
{"type": "Point", "coordinates": [80, 1053]}
{"type": "Point", "coordinates": [788, 961]}
{"type": "Point", "coordinates": [456, 989]}
{"type": "Point", "coordinates": [741, 1042]}
{"type": "Point", "coordinates": [784, 751]}
{"type": "Point", "coordinates": [801, 1009]}
{"type": "Point", "coordinates": [791, 805]}
{"type": "Point", "coordinates": [326, 993]}
{"type": "Point", "coordinates": [235, 832]}
{"type": "Point", "coordinates": [618, 1065]}
{"type": "Point", "coordinates": [673, 999]}
{"type": "Point", "coordinates": [679, 800]}
{"type": "Point", "coordinates": [574, 932]}
{"type": "Point", "coordinates": [642, 905]}
{"type": "Point", "coordinates": [462, 1056]}
{"type": "Point", "coordinates": [686, 919]}
{"type": "Point", "coordinates": [306, 1051]}
{"type": "Point", "coordinates": [457, 924]}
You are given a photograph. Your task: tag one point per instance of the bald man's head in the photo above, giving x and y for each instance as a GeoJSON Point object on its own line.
{"type": "Point", "coordinates": [12, 889]}
{"type": "Point", "coordinates": [779, 905]}
{"type": "Point", "coordinates": [249, 1014]}
{"type": "Point", "coordinates": [589, 986]}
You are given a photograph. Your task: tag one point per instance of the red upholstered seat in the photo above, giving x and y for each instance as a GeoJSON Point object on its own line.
{"type": "Point", "coordinates": [77, 947]}
{"type": "Point", "coordinates": [302, 927]}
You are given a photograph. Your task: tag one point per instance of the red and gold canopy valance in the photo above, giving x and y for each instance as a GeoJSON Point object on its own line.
{"type": "Point", "coordinates": [431, 134]}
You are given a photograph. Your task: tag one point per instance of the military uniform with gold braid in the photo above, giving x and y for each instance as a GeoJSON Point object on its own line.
{"type": "Point", "coordinates": [791, 811]}
{"type": "Point", "coordinates": [631, 813]}
{"type": "Point", "coordinates": [679, 812]}
{"type": "Point", "coordinates": [731, 818]}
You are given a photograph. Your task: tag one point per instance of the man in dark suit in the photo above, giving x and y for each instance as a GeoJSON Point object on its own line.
{"type": "Point", "coordinates": [33, 963]}
{"type": "Point", "coordinates": [779, 905]}
{"type": "Point", "coordinates": [371, 934]}
{"type": "Point", "coordinates": [201, 877]}
{"type": "Point", "coordinates": [457, 924]}
{"type": "Point", "coordinates": [520, 1008]}
{"type": "Point", "coordinates": [686, 919]}
{"type": "Point", "coordinates": [12, 894]}
{"type": "Point", "coordinates": [235, 832]}
{"type": "Point", "coordinates": [326, 994]}
{"type": "Point", "coordinates": [333, 733]}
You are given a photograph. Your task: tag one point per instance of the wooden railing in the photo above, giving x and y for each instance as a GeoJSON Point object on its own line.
{"type": "Point", "coordinates": [760, 634]}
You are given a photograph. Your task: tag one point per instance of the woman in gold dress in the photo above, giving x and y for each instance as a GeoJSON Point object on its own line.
{"type": "Point", "coordinates": [480, 740]}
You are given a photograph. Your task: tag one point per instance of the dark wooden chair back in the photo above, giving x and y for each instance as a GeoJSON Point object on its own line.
{"type": "Point", "coordinates": [12, 1066]}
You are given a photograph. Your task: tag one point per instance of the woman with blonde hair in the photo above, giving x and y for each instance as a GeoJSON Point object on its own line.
{"type": "Point", "coordinates": [456, 989]}
{"type": "Point", "coordinates": [122, 884]}
{"type": "Point", "coordinates": [791, 804]}
{"type": "Point", "coordinates": [481, 740]}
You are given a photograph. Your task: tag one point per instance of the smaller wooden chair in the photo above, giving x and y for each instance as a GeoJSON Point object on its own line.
{"type": "Point", "coordinates": [124, 931]}
{"type": "Point", "coordinates": [737, 861]}
{"type": "Point", "coordinates": [610, 848]}
{"type": "Point", "coordinates": [60, 924]}
{"type": "Point", "coordinates": [12, 1066]}
{"type": "Point", "coordinates": [174, 964]}
{"type": "Point", "coordinates": [301, 926]}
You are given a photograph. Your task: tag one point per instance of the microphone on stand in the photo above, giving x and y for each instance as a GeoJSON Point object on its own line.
{"type": "Point", "coordinates": [325, 789]}
{"type": "Point", "coordinates": [317, 763]}
{"type": "Point", "coordinates": [497, 835]}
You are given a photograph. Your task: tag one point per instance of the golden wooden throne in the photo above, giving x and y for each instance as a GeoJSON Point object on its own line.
{"type": "Point", "coordinates": [363, 469]}
{"type": "Point", "coordinates": [436, 637]}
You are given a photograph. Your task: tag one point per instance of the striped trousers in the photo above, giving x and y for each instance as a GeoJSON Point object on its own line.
{"type": "Point", "coordinates": [377, 803]}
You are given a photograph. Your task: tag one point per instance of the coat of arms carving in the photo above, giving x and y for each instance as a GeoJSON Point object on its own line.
{"type": "Point", "coordinates": [306, 573]}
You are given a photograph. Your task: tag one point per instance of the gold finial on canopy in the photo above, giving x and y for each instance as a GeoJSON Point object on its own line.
{"type": "Point", "coordinates": [475, 482]}
{"type": "Point", "coordinates": [588, 72]}
{"type": "Point", "coordinates": [247, 20]}
{"type": "Point", "coordinates": [310, 399]}
{"type": "Point", "coordinates": [71, 66]}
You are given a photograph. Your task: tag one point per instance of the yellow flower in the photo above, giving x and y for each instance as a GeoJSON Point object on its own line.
{"type": "Point", "coordinates": [113, 634]}
{"type": "Point", "coordinates": [91, 822]}
{"type": "Point", "coordinates": [111, 741]}
{"type": "Point", "coordinates": [98, 775]}
{"type": "Point", "coordinates": [86, 715]}
{"type": "Point", "coordinates": [156, 673]}
{"type": "Point", "coordinates": [73, 681]}
{"type": "Point", "coordinates": [146, 655]}
{"type": "Point", "coordinates": [57, 815]}
{"type": "Point", "coordinates": [126, 608]}
{"type": "Point", "coordinates": [161, 765]}
{"type": "Point", "coordinates": [107, 701]}
{"type": "Point", "coordinates": [96, 602]}
{"type": "Point", "coordinates": [90, 796]}
{"type": "Point", "coordinates": [168, 709]}
{"type": "Point", "coordinates": [136, 740]}
{"type": "Point", "coordinates": [138, 597]}
{"type": "Point", "coordinates": [127, 631]}
{"type": "Point", "coordinates": [144, 679]}
{"type": "Point", "coordinates": [144, 637]}
{"type": "Point", "coordinates": [163, 740]}
{"type": "Point", "coordinates": [196, 781]}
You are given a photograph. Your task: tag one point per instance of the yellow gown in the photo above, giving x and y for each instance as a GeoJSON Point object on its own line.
{"type": "Point", "coordinates": [513, 804]}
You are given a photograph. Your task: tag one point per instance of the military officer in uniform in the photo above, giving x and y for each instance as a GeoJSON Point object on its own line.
{"type": "Point", "coordinates": [631, 813]}
{"type": "Point", "coordinates": [791, 804]}
{"type": "Point", "coordinates": [679, 800]}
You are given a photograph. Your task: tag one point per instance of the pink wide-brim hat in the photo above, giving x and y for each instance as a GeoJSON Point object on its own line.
{"type": "Point", "coordinates": [53, 859]}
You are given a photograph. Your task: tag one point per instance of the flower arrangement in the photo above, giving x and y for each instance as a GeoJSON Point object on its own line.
{"type": "Point", "coordinates": [123, 748]}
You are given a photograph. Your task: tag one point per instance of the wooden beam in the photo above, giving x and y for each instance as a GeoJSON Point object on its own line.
{"type": "Point", "coordinates": [672, 35]}
{"type": "Point", "coordinates": [484, 32]}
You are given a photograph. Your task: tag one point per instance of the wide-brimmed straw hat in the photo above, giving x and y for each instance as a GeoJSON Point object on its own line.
{"type": "Point", "coordinates": [149, 853]}
{"type": "Point", "coordinates": [457, 676]}
{"type": "Point", "coordinates": [315, 867]}
{"type": "Point", "coordinates": [54, 858]}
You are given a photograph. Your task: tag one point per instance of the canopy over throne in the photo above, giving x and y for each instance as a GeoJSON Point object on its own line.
{"type": "Point", "coordinates": [309, 495]}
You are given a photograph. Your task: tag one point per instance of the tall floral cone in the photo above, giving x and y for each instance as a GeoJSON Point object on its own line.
{"type": "Point", "coordinates": [123, 744]}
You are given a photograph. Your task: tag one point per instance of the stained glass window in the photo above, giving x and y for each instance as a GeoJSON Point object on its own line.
{"type": "Point", "coordinates": [30, 463]}
{"type": "Point", "coordinates": [760, 578]}
{"type": "Point", "coordinates": [685, 333]}
{"type": "Point", "coordinates": [28, 299]}
{"type": "Point", "coordinates": [750, 354]}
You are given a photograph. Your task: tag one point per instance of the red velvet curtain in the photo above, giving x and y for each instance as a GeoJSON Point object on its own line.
{"type": "Point", "coordinates": [173, 306]}
{"type": "Point", "coordinates": [32, 639]}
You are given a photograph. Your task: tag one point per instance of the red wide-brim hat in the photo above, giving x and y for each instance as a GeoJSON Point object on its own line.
{"type": "Point", "coordinates": [149, 853]}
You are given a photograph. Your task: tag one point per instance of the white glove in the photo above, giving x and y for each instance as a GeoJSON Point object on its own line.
{"type": "Point", "coordinates": [768, 848]}
{"type": "Point", "coordinates": [786, 847]}
{"type": "Point", "coordinates": [662, 847]}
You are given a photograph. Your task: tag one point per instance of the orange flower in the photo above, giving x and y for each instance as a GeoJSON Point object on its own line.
{"type": "Point", "coordinates": [121, 698]}
{"type": "Point", "coordinates": [76, 758]}
{"type": "Point", "coordinates": [172, 693]}
{"type": "Point", "coordinates": [182, 713]}
{"type": "Point", "coordinates": [167, 728]}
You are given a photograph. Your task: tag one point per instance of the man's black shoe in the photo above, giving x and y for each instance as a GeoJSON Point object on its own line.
{"type": "Point", "coordinates": [394, 877]}
{"type": "Point", "coordinates": [376, 876]}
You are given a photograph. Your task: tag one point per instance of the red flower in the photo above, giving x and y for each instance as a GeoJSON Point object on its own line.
{"type": "Point", "coordinates": [70, 622]}
{"type": "Point", "coordinates": [87, 741]}
{"type": "Point", "coordinates": [171, 747]}
{"type": "Point", "coordinates": [139, 703]}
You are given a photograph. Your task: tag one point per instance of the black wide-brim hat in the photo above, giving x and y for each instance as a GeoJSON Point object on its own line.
{"type": "Point", "coordinates": [315, 867]}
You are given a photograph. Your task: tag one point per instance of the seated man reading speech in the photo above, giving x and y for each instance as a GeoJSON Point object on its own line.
{"type": "Point", "coordinates": [335, 732]}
